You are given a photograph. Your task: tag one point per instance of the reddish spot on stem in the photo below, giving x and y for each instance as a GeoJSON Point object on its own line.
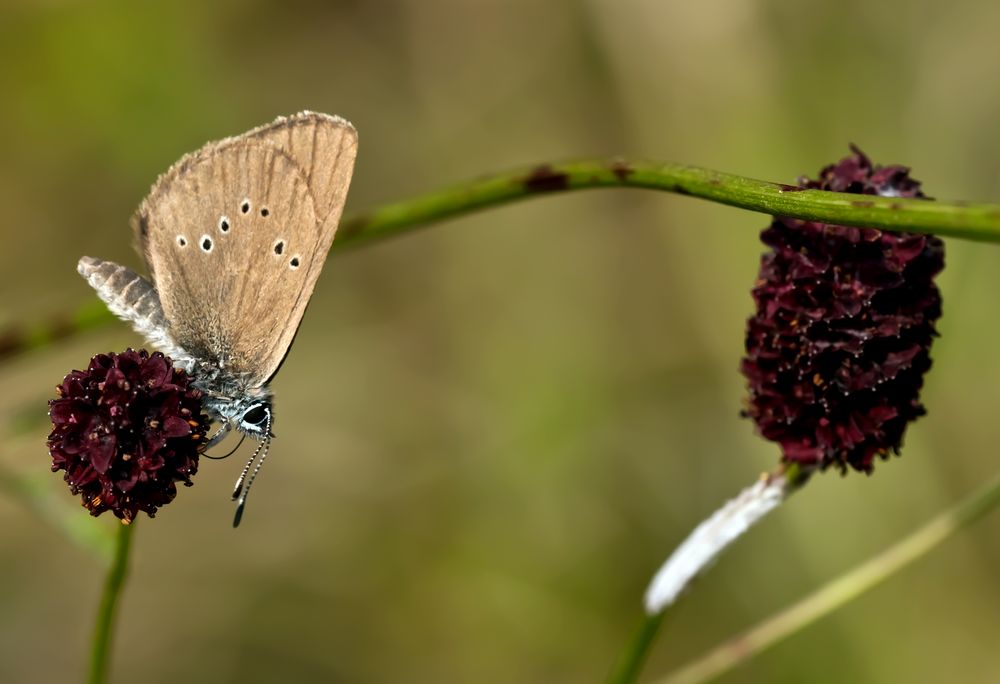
{"type": "Point", "coordinates": [61, 328]}
{"type": "Point", "coordinates": [622, 170]}
{"type": "Point", "coordinates": [356, 225]}
{"type": "Point", "coordinates": [546, 179]}
{"type": "Point", "coordinates": [10, 342]}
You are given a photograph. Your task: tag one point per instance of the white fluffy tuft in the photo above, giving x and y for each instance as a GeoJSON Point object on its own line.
{"type": "Point", "coordinates": [710, 538]}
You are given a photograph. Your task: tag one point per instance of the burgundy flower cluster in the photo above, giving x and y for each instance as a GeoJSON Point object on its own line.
{"type": "Point", "coordinates": [840, 342]}
{"type": "Point", "coordinates": [125, 431]}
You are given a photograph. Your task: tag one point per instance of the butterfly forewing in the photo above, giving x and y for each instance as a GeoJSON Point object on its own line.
{"type": "Point", "coordinates": [324, 147]}
{"type": "Point", "coordinates": [235, 236]}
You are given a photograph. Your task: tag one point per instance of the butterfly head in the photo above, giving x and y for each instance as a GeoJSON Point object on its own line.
{"type": "Point", "coordinates": [251, 416]}
{"type": "Point", "coordinates": [255, 419]}
{"type": "Point", "coordinates": [250, 413]}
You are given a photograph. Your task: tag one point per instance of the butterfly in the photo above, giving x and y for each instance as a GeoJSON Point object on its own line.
{"type": "Point", "coordinates": [234, 237]}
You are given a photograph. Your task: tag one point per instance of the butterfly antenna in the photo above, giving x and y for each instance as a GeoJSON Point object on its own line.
{"type": "Point", "coordinates": [266, 445]}
{"type": "Point", "coordinates": [238, 488]}
{"type": "Point", "coordinates": [234, 450]}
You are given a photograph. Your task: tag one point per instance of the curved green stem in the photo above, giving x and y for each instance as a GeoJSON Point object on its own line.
{"type": "Point", "coordinates": [105, 625]}
{"type": "Point", "coordinates": [955, 219]}
{"type": "Point", "coordinates": [840, 591]}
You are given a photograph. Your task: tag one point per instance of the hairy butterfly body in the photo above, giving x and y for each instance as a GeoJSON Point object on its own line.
{"type": "Point", "coordinates": [234, 236]}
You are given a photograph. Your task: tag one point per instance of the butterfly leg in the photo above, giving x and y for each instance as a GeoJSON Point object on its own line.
{"type": "Point", "coordinates": [219, 435]}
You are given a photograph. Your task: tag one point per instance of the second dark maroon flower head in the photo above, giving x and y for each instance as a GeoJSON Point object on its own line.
{"type": "Point", "coordinates": [840, 341]}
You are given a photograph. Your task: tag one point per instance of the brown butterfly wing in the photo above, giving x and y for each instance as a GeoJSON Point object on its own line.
{"type": "Point", "coordinates": [236, 234]}
{"type": "Point", "coordinates": [324, 147]}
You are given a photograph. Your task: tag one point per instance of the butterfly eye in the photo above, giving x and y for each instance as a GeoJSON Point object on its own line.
{"type": "Point", "coordinates": [256, 415]}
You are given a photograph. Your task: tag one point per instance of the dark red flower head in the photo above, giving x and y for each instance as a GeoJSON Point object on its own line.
{"type": "Point", "coordinates": [837, 350]}
{"type": "Point", "coordinates": [125, 431]}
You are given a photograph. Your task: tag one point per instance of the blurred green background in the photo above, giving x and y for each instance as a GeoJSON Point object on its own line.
{"type": "Point", "coordinates": [492, 432]}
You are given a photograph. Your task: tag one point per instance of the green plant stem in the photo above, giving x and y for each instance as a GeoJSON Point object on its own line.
{"type": "Point", "coordinates": [105, 626]}
{"type": "Point", "coordinates": [956, 219]}
{"type": "Point", "coordinates": [17, 339]}
{"type": "Point", "coordinates": [952, 219]}
{"type": "Point", "coordinates": [840, 591]}
{"type": "Point", "coordinates": [630, 663]}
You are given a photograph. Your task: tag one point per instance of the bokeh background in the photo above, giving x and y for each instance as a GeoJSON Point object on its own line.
{"type": "Point", "coordinates": [491, 432]}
